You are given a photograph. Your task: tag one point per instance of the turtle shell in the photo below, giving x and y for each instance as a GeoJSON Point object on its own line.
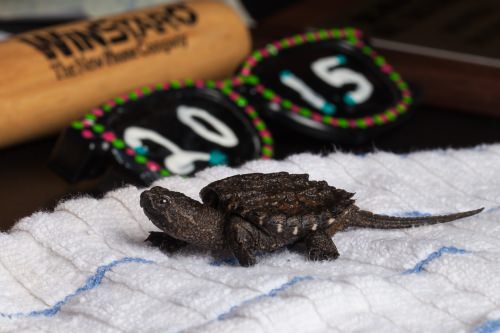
{"type": "Point", "coordinates": [278, 202]}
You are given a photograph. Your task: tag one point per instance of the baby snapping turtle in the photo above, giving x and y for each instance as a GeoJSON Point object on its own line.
{"type": "Point", "coordinates": [258, 212]}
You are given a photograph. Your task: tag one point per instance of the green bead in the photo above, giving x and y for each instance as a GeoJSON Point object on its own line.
{"type": "Point", "coordinates": [253, 114]}
{"type": "Point", "coordinates": [379, 60]}
{"type": "Point", "coordinates": [298, 39]}
{"type": "Point", "coordinates": [284, 43]}
{"type": "Point", "coordinates": [343, 123]}
{"type": "Point", "coordinates": [98, 128]}
{"type": "Point", "coordinates": [266, 151]}
{"type": "Point", "coordinates": [252, 79]}
{"type": "Point", "coordinates": [140, 159]}
{"type": "Point", "coordinates": [133, 96]}
{"type": "Point", "coordinates": [408, 99]}
{"type": "Point", "coordinates": [268, 140]}
{"type": "Point", "coordinates": [323, 34]}
{"type": "Point", "coordinates": [361, 123]}
{"type": "Point", "coordinates": [287, 104]}
{"type": "Point", "coordinates": [390, 115]}
{"type": "Point", "coordinates": [159, 86]}
{"type": "Point", "coordinates": [327, 119]}
{"type": "Point", "coordinates": [164, 172]}
{"type": "Point", "coordinates": [189, 82]}
{"type": "Point", "coordinates": [403, 85]}
{"type": "Point", "coordinates": [378, 120]}
{"type": "Point", "coordinates": [310, 37]}
{"type": "Point", "coordinates": [257, 55]}
{"type": "Point", "coordinates": [394, 76]}
{"type": "Point", "coordinates": [175, 84]}
{"type": "Point", "coordinates": [366, 50]}
{"type": "Point", "coordinates": [268, 94]}
{"type": "Point", "coordinates": [77, 125]}
{"type": "Point", "coordinates": [106, 107]}
{"type": "Point", "coordinates": [351, 32]}
{"type": "Point", "coordinates": [210, 84]}
{"type": "Point", "coordinates": [119, 100]}
{"type": "Point", "coordinates": [117, 143]}
{"type": "Point", "coordinates": [272, 49]}
{"type": "Point", "coordinates": [401, 108]}
{"type": "Point", "coordinates": [90, 116]}
{"type": "Point", "coordinates": [146, 90]}
{"type": "Point", "coordinates": [227, 90]}
{"type": "Point", "coordinates": [241, 102]}
{"type": "Point", "coordinates": [305, 112]}
{"type": "Point", "coordinates": [260, 126]}
{"type": "Point", "coordinates": [352, 40]}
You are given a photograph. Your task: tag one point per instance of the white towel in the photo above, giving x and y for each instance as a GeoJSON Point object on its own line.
{"type": "Point", "coordinates": [85, 266]}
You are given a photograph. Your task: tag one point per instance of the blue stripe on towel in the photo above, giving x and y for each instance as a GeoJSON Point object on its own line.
{"type": "Point", "coordinates": [272, 293]}
{"type": "Point", "coordinates": [434, 255]}
{"type": "Point", "coordinates": [91, 283]}
{"type": "Point", "coordinates": [489, 326]}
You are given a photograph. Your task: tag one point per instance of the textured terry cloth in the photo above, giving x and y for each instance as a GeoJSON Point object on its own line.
{"type": "Point", "coordinates": [85, 266]}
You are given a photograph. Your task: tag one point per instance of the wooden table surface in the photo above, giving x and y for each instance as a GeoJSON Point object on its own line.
{"type": "Point", "coordinates": [27, 185]}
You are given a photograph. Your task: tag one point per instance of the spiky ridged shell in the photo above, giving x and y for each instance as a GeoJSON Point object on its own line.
{"type": "Point", "coordinates": [288, 204]}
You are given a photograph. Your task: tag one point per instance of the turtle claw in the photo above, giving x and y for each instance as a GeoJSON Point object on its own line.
{"type": "Point", "coordinates": [321, 255]}
{"type": "Point", "coordinates": [164, 242]}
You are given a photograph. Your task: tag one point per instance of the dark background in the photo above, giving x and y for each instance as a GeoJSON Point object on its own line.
{"type": "Point", "coordinates": [28, 185]}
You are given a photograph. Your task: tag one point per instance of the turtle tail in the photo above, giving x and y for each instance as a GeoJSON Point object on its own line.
{"type": "Point", "coordinates": [364, 219]}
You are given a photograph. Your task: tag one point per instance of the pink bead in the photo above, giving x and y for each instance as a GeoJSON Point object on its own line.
{"type": "Point", "coordinates": [264, 52]}
{"type": "Point", "coordinates": [199, 83]}
{"type": "Point", "coordinates": [245, 71]}
{"type": "Point", "coordinates": [259, 88]}
{"type": "Point", "coordinates": [129, 151]}
{"type": "Point", "coordinates": [108, 136]}
{"type": "Point", "coordinates": [316, 116]}
{"type": "Point", "coordinates": [265, 133]}
{"type": "Point", "coordinates": [360, 43]}
{"type": "Point", "coordinates": [386, 68]}
{"type": "Point", "coordinates": [295, 108]}
{"type": "Point", "coordinates": [87, 134]}
{"type": "Point", "coordinates": [153, 166]}
{"type": "Point", "coordinates": [98, 112]}
{"type": "Point", "coordinates": [352, 123]}
{"type": "Point", "coordinates": [369, 121]}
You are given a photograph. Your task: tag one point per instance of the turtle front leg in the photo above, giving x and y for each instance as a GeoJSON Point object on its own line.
{"type": "Point", "coordinates": [245, 239]}
{"type": "Point", "coordinates": [241, 236]}
{"type": "Point", "coordinates": [321, 247]}
{"type": "Point", "coordinates": [164, 242]}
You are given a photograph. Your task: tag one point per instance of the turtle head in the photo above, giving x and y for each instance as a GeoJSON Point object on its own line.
{"type": "Point", "coordinates": [182, 217]}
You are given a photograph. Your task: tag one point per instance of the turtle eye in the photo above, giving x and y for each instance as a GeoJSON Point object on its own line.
{"type": "Point", "coordinates": [162, 202]}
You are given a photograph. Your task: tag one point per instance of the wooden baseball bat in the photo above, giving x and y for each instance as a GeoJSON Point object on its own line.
{"type": "Point", "coordinates": [51, 76]}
